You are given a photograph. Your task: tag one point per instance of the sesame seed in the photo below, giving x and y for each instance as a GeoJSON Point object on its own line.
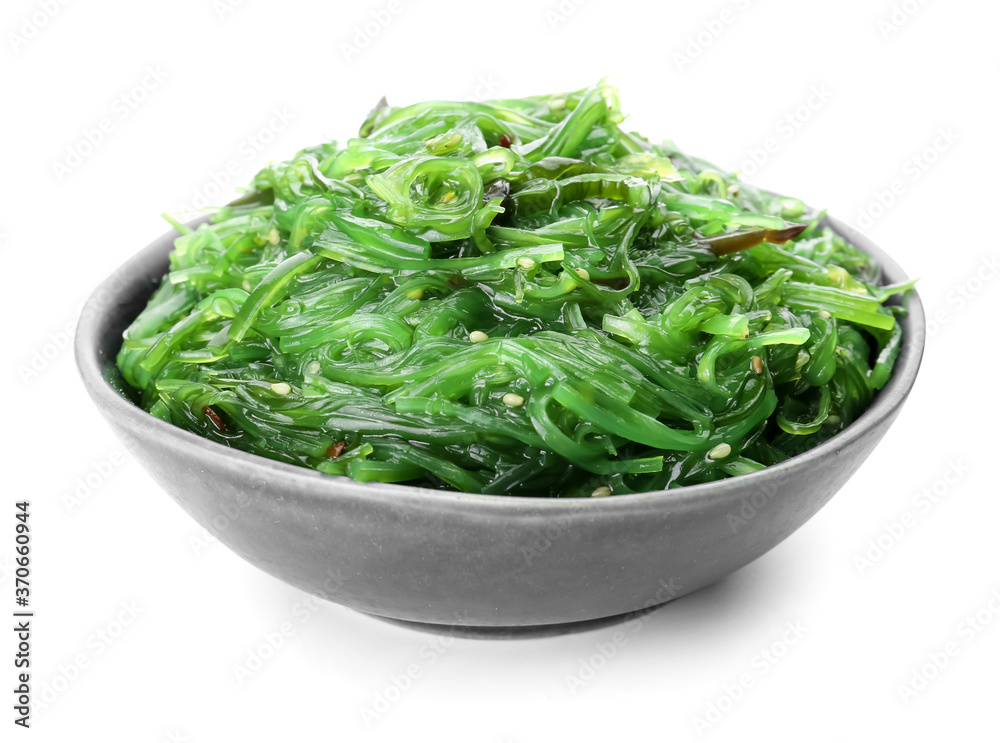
{"type": "Point", "coordinates": [512, 400]}
{"type": "Point", "coordinates": [478, 336]}
{"type": "Point", "coordinates": [720, 452]}
{"type": "Point", "coordinates": [273, 236]}
{"type": "Point", "coordinates": [415, 294]}
{"type": "Point", "coordinates": [824, 314]}
{"type": "Point", "coordinates": [526, 262]}
{"type": "Point", "coordinates": [757, 364]}
{"type": "Point", "coordinates": [601, 492]}
{"type": "Point", "coordinates": [281, 388]}
{"type": "Point", "coordinates": [313, 367]}
{"type": "Point", "coordinates": [583, 273]}
{"type": "Point", "coordinates": [448, 197]}
{"type": "Point", "coordinates": [832, 419]}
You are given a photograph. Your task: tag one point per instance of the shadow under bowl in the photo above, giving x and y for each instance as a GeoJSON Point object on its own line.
{"type": "Point", "coordinates": [469, 564]}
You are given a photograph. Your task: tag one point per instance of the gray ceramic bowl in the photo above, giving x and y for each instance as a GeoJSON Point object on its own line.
{"type": "Point", "coordinates": [473, 563]}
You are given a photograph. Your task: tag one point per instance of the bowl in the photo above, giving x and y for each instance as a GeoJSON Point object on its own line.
{"type": "Point", "coordinates": [481, 565]}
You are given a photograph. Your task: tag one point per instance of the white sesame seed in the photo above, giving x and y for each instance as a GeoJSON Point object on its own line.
{"type": "Point", "coordinates": [478, 336]}
{"type": "Point", "coordinates": [832, 419]}
{"type": "Point", "coordinates": [836, 273]}
{"type": "Point", "coordinates": [512, 400]}
{"type": "Point", "coordinates": [824, 314]}
{"type": "Point", "coordinates": [273, 236]}
{"type": "Point", "coordinates": [313, 367]}
{"type": "Point", "coordinates": [601, 492]}
{"type": "Point", "coordinates": [583, 273]}
{"type": "Point", "coordinates": [720, 452]}
{"type": "Point", "coordinates": [281, 388]}
{"type": "Point", "coordinates": [526, 262]}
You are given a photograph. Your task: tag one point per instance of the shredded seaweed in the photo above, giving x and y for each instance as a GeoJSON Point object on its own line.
{"type": "Point", "coordinates": [513, 297]}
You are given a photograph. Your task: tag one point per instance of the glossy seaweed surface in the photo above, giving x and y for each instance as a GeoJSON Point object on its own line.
{"type": "Point", "coordinates": [513, 297]}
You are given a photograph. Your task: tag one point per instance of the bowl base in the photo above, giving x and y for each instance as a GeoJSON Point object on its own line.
{"type": "Point", "coordinates": [523, 632]}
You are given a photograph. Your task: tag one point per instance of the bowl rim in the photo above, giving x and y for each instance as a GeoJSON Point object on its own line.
{"type": "Point", "coordinates": [99, 311]}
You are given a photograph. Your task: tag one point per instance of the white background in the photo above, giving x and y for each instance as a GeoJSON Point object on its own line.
{"type": "Point", "coordinates": [853, 96]}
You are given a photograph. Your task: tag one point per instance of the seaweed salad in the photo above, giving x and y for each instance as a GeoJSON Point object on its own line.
{"type": "Point", "coordinates": [513, 297]}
